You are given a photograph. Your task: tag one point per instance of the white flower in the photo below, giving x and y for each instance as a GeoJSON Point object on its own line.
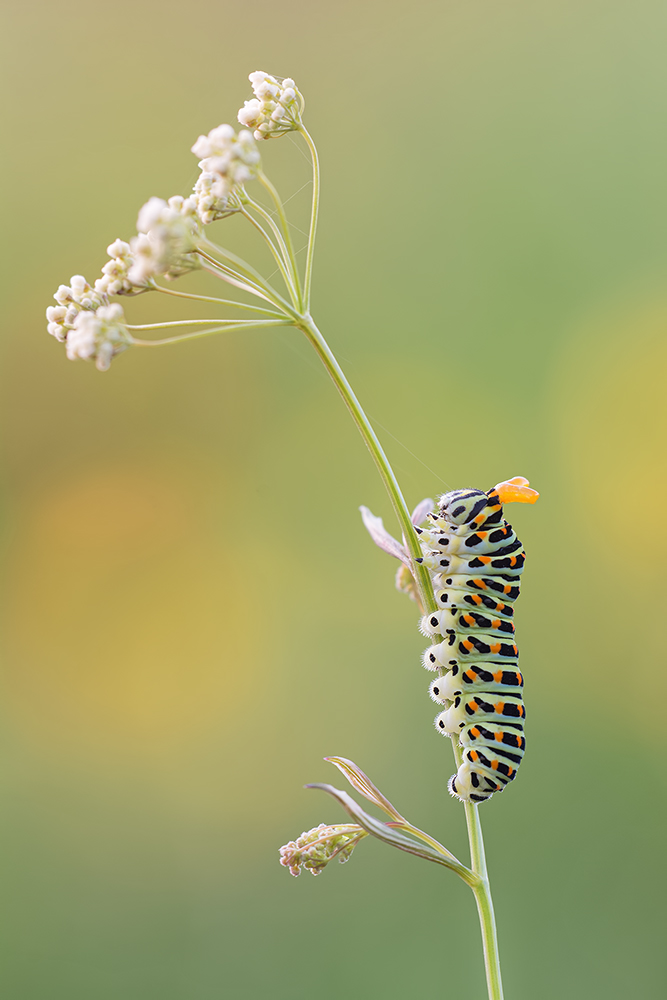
{"type": "Point", "coordinates": [100, 335]}
{"type": "Point", "coordinates": [275, 109]}
{"type": "Point", "coordinates": [56, 316]}
{"type": "Point", "coordinates": [71, 299]}
{"type": "Point", "coordinates": [115, 278]}
{"type": "Point", "coordinates": [315, 848]}
{"type": "Point", "coordinates": [227, 161]}
{"type": "Point", "coordinates": [166, 242]}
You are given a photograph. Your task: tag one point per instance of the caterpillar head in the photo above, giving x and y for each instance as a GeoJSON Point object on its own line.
{"type": "Point", "coordinates": [461, 506]}
{"type": "Point", "coordinates": [465, 506]}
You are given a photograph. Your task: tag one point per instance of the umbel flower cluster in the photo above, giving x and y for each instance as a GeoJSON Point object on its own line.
{"type": "Point", "coordinates": [315, 848]}
{"type": "Point", "coordinates": [171, 240]}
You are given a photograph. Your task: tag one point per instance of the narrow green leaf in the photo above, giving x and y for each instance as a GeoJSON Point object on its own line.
{"type": "Point", "coordinates": [365, 786]}
{"type": "Point", "coordinates": [395, 838]}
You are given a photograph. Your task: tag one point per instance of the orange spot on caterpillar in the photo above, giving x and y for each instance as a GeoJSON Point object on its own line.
{"type": "Point", "coordinates": [499, 707]}
{"type": "Point", "coordinates": [506, 588]}
{"type": "Point", "coordinates": [499, 737]}
{"type": "Point", "coordinates": [473, 704]}
{"type": "Point", "coordinates": [494, 765]}
{"type": "Point", "coordinates": [498, 676]}
{"type": "Point", "coordinates": [468, 619]}
{"type": "Point", "coordinates": [480, 519]}
{"type": "Point", "coordinates": [495, 647]}
{"type": "Point", "coordinates": [482, 585]}
{"type": "Point", "coordinates": [495, 623]}
{"type": "Point", "coordinates": [477, 599]}
{"type": "Point", "coordinates": [484, 559]}
{"type": "Point", "coordinates": [520, 710]}
{"type": "Point", "coordinates": [467, 645]}
{"type": "Point", "coordinates": [482, 534]}
{"type": "Point", "coordinates": [474, 755]}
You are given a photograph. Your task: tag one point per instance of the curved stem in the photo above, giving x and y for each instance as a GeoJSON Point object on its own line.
{"type": "Point", "coordinates": [250, 279]}
{"type": "Point", "coordinates": [212, 298]}
{"type": "Point", "coordinates": [277, 256]}
{"type": "Point", "coordinates": [219, 270]}
{"type": "Point", "coordinates": [484, 902]}
{"type": "Point", "coordinates": [482, 891]}
{"type": "Point", "coordinates": [226, 328]}
{"type": "Point", "coordinates": [313, 216]}
{"type": "Point", "coordinates": [420, 572]}
{"type": "Point", "coordinates": [277, 201]}
{"type": "Point", "coordinates": [480, 887]}
{"type": "Point", "coordinates": [189, 322]}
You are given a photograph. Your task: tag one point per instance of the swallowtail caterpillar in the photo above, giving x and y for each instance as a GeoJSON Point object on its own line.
{"type": "Point", "coordinates": [476, 560]}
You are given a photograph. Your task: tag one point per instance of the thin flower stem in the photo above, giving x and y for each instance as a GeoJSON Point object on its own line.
{"type": "Point", "coordinates": [243, 281]}
{"type": "Point", "coordinates": [482, 891]}
{"type": "Point", "coordinates": [239, 270]}
{"type": "Point", "coordinates": [227, 328]}
{"type": "Point", "coordinates": [280, 209]}
{"type": "Point", "coordinates": [283, 241]}
{"type": "Point", "coordinates": [212, 298]}
{"type": "Point", "coordinates": [313, 216]}
{"type": "Point", "coordinates": [416, 832]}
{"type": "Point", "coordinates": [240, 265]}
{"type": "Point", "coordinates": [226, 274]}
{"type": "Point", "coordinates": [481, 886]}
{"type": "Point", "coordinates": [277, 256]}
{"type": "Point", "coordinates": [421, 573]}
{"type": "Point", "coordinates": [190, 322]}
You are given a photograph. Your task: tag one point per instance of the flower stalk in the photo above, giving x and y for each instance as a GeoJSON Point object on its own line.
{"type": "Point", "coordinates": [170, 243]}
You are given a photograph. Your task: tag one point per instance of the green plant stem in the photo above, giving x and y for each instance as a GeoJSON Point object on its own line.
{"type": "Point", "coordinates": [313, 217]}
{"type": "Point", "coordinates": [421, 574]}
{"type": "Point", "coordinates": [195, 322]}
{"type": "Point", "coordinates": [277, 256]}
{"type": "Point", "coordinates": [284, 224]}
{"type": "Point", "coordinates": [228, 327]}
{"type": "Point", "coordinates": [482, 891]}
{"type": "Point", "coordinates": [481, 887]}
{"type": "Point", "coordinates": [212, 298]}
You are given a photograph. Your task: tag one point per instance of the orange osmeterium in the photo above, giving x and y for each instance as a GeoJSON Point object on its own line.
{"type": "Point", "coordinates": [516, 490]}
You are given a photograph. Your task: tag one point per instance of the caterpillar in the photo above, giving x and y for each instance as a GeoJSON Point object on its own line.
{"type": "Point", "coordinates": [476, 560]}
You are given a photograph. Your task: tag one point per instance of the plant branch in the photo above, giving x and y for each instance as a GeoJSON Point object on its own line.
{"type": "Point", "coordinates": [222, 328]}
{"type": "Point", "coordinates": [284, 225]}
{"type": "Point", "coordinates": [313, 216]}
{"type": "Point", "coordinates": [212, 298]}
{"type": "Point", "coordinates": [420, 571]}
{"type": "Point", "coordinates": [277, 255]}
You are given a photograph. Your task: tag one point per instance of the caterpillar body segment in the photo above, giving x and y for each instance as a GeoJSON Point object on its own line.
{"type": "Point", "coordinates": [475, 678]}
{"type": "Point", "coordinates": [476, 561]}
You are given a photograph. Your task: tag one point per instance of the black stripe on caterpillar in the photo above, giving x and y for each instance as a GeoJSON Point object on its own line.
{"type": "Point", "coordinates": [476, 560]}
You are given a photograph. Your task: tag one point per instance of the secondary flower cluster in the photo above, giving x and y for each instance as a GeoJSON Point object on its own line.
{"type": "Point", "coordinates": [227, 161]}
{"type": "Point", "coordinates": [100, 335]}
{"type": "Point", "coordinates": [167, 240]}
{"type": "Point", "coordinates": [275, 109]}
{"type": "Point", "coordinates": [315, 848]}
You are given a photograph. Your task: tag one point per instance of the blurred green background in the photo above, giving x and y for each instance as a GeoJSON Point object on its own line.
{"type": "Point", "coordinates": [194, 616]}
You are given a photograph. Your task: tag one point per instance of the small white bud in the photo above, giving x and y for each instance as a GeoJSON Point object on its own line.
{"type": "Point", "coordinates": [275, 109]}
